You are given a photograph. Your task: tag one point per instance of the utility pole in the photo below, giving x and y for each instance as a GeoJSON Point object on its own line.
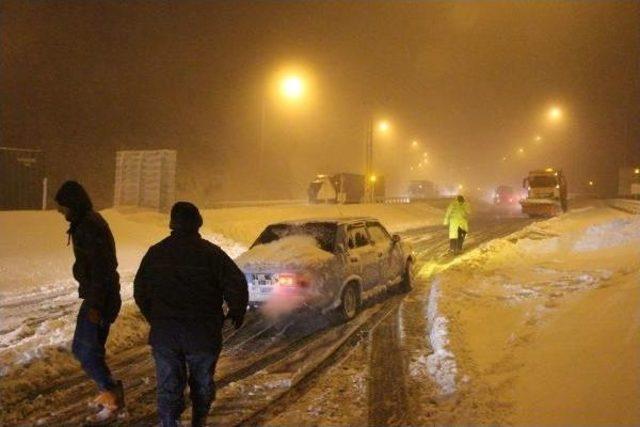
{"type": "Point", "coordinates": [368, 167]}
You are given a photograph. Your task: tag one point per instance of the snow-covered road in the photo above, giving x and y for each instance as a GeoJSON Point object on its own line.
{"type": "Point", "coordinates": [536, 323]}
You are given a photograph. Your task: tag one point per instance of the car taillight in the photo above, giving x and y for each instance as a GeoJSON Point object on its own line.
{"type": "Point", "coordinates": [289, 279]}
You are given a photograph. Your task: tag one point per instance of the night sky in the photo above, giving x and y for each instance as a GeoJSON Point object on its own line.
{"type": "Point", "coordinates": [472, 82]}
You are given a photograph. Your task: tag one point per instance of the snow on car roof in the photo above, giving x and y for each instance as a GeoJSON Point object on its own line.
{"type": "Point", "coordinates": [341, 220]}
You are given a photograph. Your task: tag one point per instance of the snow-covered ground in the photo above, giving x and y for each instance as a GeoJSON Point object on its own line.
{"type": "Point", "coordinates": [38, 297]}
{"type": "Point", "coordinates": [543, 327]}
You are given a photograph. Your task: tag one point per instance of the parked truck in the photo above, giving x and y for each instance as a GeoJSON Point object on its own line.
{"type": "Point", "coordinates": [342, 188]}
{"type": "Point", "coordinates": [629, 182]}
{"type": "Point", "coordinates": [546, 193]}
{"type": "Point", "coordinates": [422, 189]}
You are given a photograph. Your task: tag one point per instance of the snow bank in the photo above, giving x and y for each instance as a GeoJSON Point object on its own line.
{"type": "Point", "coordinates": [547, 319]}
{"type": "Point", "coordinates": [244, 224]}
{"type": "Point", "coordinates": [441, 364]}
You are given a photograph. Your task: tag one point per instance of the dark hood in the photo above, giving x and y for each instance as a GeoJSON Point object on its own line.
{"type": "Point", "coordinates": [72, 195]}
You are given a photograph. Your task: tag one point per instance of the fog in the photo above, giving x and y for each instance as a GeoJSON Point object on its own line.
{"type": "Point", "coordinates": [472, 83]}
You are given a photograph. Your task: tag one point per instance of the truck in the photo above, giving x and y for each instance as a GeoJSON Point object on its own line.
{"type": "Point", "coordinates": [629, 182]}
{"type": "Point", "coordinates": [342, 188]}
{"type": "Point", "coordinates": [422, 189]}
{"type": "Point", "coordinates": [546, 193]}
{"type": "Point", "coordinates": [505, 196]}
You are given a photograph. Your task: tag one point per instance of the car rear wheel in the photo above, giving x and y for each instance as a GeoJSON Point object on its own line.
{"type": "Point", "coordinates": [407, 278]}
{"type": "Point", "coordinates": [349, 302]}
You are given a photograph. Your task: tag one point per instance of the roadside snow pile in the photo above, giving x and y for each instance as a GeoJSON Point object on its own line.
{"type": "Point", "coordinates": [243, 225]}
{"type": "Point", "coordinates": [441, 364]}
{"type": "Point", "coordinates": [609, 234]}
{"type": "Point", "coordinates": [528, 315]}
{"type": "Point", "coordinates": [288, 253]}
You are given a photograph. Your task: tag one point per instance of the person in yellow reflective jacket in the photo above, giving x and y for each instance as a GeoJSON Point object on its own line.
{"type": "Point", "coordinates": [457, 218]}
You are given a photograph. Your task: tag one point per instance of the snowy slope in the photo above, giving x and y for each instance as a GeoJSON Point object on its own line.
{"type": "Point", "coordinates": [546, 322]}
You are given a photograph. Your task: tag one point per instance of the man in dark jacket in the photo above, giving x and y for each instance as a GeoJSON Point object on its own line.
{"type": "Point", "coordinates": [180, 288]}
{"type": "Point", "coordinates": [99, 288]}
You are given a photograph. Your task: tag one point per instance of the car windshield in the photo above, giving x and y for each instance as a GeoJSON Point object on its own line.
{"type": "Point", "coordinates": [323, 232]}
{"type": "Point", "coordinates": [543, 181]}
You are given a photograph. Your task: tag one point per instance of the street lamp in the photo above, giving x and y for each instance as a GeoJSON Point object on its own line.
{"type": "Point", "coordinates": [554, 114]}
{"type": "Point", "coordinates": [292, 87]}
{"type": "Point", "coordinates": [383, 126]}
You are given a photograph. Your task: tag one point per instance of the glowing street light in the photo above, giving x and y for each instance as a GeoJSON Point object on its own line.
{"type": "Point", "coordinates": [383, 126]}
{"type": "Point", "coordinates": [538, 138]}
{"type": "Point", "coordinates": [373, 178]}
{"type": "Point", "coordinates": [555, 114]}
{"type": "Point", "coordinates": [292, 87]}
{"type": "Point", "coordinates": [591, 183]}
{"type": "Point", "coordinates": [460, 187]}
{"type": "Point", "coordinates": [636, 171]}
{"type": "Point", "coordinates": [521, 150]}
{"type": "Point", "coordinates": [414, 144]}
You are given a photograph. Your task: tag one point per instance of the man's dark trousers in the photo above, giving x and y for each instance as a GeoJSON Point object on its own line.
{"type": "Point", "coordinates": [174, 368]}
{"type": "Point", "coordinates": [88, 347]}
{"type": "Point", "coordinates": [461, 235]}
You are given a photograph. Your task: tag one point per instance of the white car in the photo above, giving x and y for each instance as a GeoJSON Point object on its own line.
{"type": "Point", "coordinates": [325, 263]}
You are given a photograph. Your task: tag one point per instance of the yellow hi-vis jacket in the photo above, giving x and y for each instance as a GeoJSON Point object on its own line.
{"type": "Point", "coordinates": [457, 216]}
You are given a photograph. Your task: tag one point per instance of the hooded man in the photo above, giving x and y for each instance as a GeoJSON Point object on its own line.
{"type": "Point", "coordinates": [180, 287]}
{"type": "Point", "coordinates": [99, 288]}
{"type": "Point", "coordinates": [457, 218]}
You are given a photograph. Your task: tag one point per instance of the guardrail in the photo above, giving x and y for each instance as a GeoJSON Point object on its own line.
{"type": "Point", "coordinates": [627, 205]}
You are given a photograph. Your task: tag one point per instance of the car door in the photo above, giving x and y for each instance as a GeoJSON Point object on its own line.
{"type": "Point", "coordinates": [362, 256]}
{"type": "Point", "coordinates": [389, 254]}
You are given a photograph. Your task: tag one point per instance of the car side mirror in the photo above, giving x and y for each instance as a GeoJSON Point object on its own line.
{"type": "Point", "coordinates": [396, 238]}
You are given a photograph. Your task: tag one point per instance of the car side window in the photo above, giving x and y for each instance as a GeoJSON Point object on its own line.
{"type": "Point", "coordinates": [378, 234]}
{"type": "Point", "coordinates": [357, 237]}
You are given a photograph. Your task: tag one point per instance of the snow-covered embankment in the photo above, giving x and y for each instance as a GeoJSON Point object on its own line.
{"type": "Point", "coordinates": [546, 322]}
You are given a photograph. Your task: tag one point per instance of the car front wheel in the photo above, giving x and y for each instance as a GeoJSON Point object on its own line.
{"type": "Point", "coordinates": [407, 278]}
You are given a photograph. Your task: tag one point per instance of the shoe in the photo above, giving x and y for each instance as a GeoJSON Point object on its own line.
{"type": "Point", "coordinates": [107, 402]}
{"type": "Point", "coordinates": [98, 402]}
{"type": "Point", "coordinates": [103, 417]}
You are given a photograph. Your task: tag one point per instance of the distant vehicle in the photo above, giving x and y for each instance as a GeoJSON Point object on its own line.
{"type": "Point", "coordinates": [326, 264]}
{"type": "Point", "coordinates": [546, 193]}
{"type": "Point", "coordinates": [505, 196]}
{"type": "Point", "coordinates": [422, 189]}
{"type": "Point", "coordinates": [629, 182]}
{"type": "Point", "coordinates": [342, 188]}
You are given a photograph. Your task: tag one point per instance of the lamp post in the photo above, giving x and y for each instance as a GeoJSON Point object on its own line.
{"type": "Point", "coordinates": [292, 88]}
{"type": "Point", "coordinates": [382, 126]}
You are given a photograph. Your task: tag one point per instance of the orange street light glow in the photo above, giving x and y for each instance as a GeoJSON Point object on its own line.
{"type": "Point", "coordinates": [555, 113]}
{"type": "Point", "coordinates": [292, 87]}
